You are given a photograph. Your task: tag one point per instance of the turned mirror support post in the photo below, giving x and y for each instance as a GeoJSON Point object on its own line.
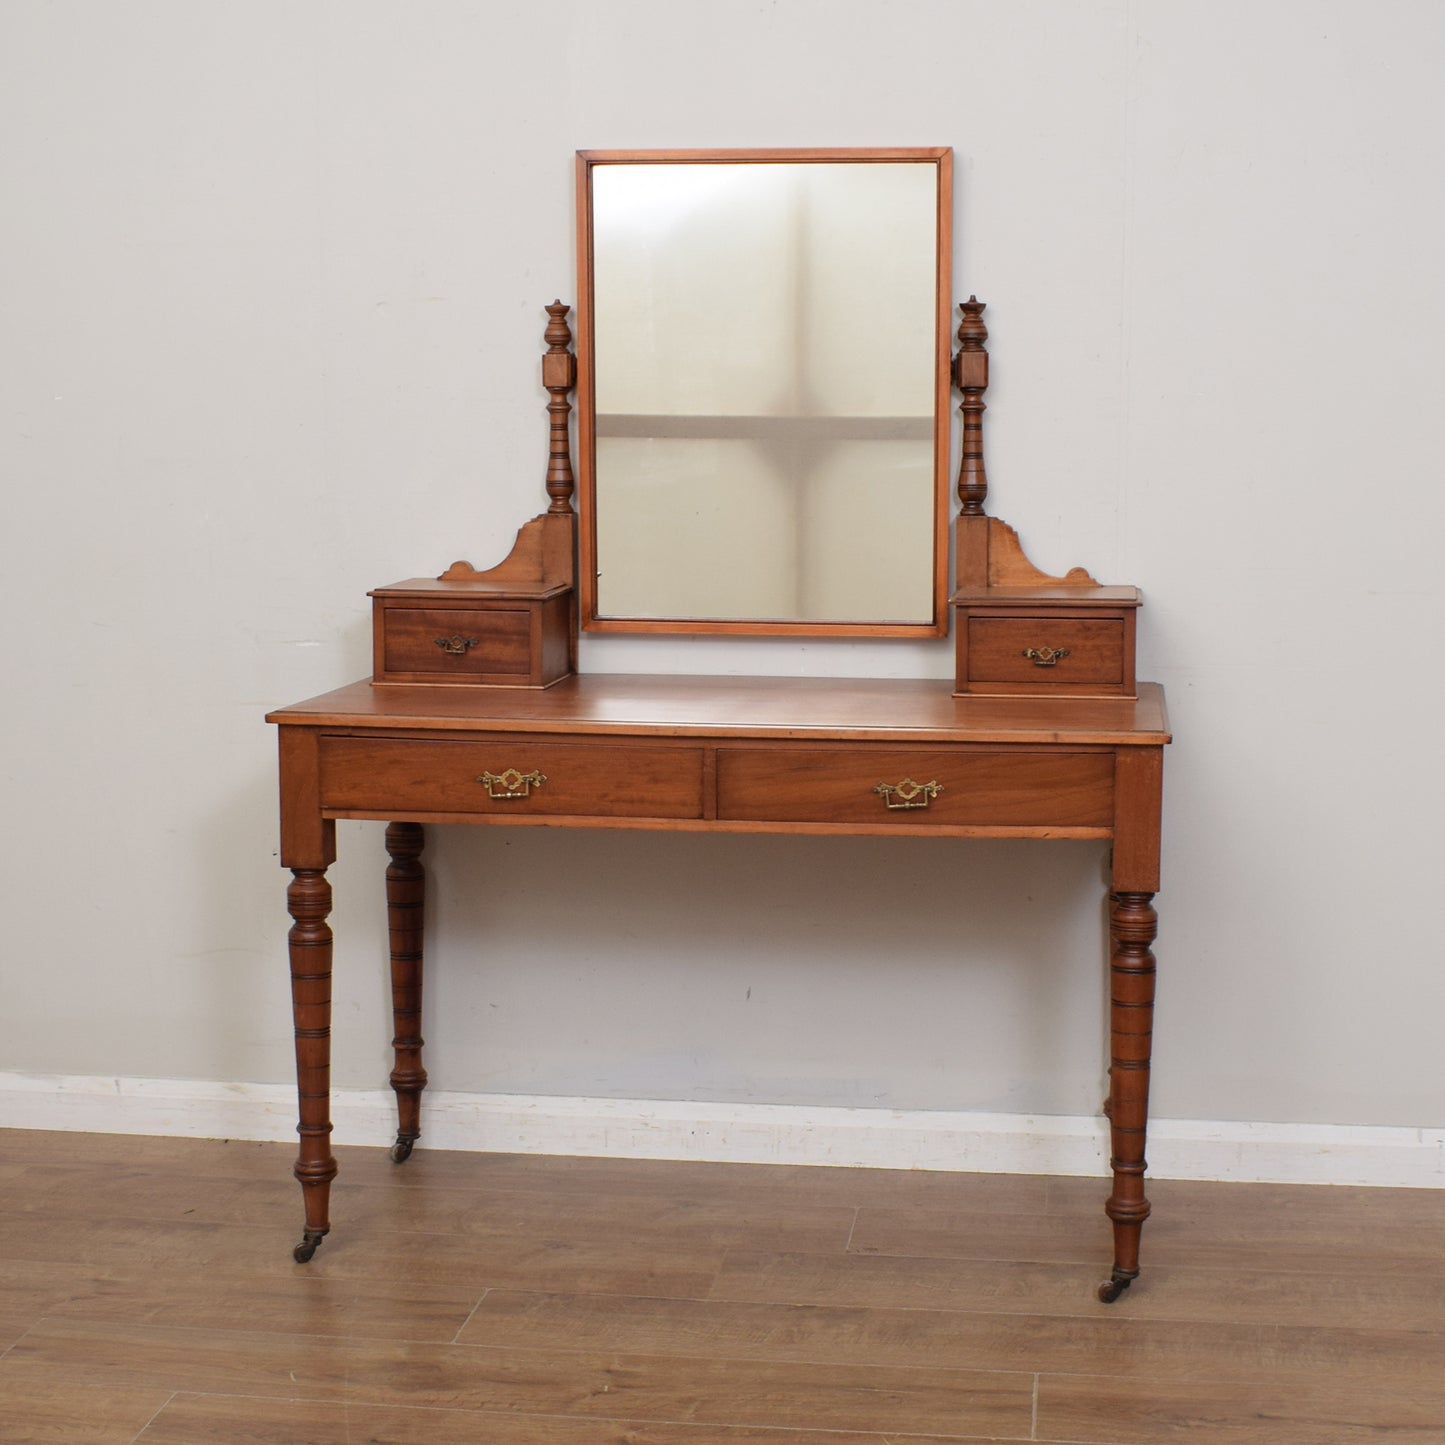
{"type": "Point", "coordinates": [559, 376]}
{"type": "Point", "coordinates": [970, 376]}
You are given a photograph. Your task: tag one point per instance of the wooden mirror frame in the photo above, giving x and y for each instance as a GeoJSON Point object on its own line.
{"type": "Point", "coordinates": [937, 625]}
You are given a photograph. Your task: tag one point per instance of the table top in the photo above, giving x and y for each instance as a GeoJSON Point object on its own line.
{"type": "Point", "coordinates": [863, 709]}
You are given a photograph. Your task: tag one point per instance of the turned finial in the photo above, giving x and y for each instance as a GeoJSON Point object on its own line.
{"type": "Point", "coordinates": [970, 376]}
{"type": "Point", "coordinates": [559, 376]}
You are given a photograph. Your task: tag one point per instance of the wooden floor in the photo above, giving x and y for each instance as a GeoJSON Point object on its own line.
{"type": "Point", "coordinates": [147, 1294]}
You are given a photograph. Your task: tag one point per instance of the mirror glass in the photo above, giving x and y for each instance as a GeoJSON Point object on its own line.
{"type": "Point", "coordinates": [763, 390]}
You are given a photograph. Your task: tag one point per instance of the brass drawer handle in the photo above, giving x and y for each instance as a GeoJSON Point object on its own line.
{"type": "Point", "coordinates": [455, 645]}
{"type": "Point", "coordinates": [511, 784]}
{"type": "Point", "coordinates": [1045, 656]}
{"type": "Point", "coordinates": [908, 794]}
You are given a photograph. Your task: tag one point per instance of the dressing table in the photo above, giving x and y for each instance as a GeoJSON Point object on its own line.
{"type": "Point", "coordinates": [476, 714]}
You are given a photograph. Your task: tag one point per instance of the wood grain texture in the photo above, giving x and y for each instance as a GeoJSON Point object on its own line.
{"type": "Point", "coordinates": [387, 1252]}
{"type": "Point", "coordinates": [970, 376]}
{"type": "Point", "coordinates": [1009, 567]}
{"type": "Point", "coordinates": [1201, 1240]}
{"type": "Point", "coordinates": [971, 1339]}
{"type": "Point", "coordinates": [307, 839]}
{"type": "Point", "coordinates": [219, 1300]}
{"type": "Point", "coordinates": [708, 754]}
{"type": "Point", "coordinates": [865, 709]}
{"type": "Point", "coordinates": [603, 1385]}
{"type": "Point", "coordinates": [559, 376]}
{"type": "Point", "coordinates": [514, 624]}
{"type": "Point", "coordinates": [308, 898]}
{"type": "Point", "coordinates": [41, 1413]}
{"type": "Point", "coordinates": [692, 1182]}
{"type": "Point", "coordinates": [405, 909]}
{"type": "Point", "coordinates": [495, 641]}
{"type": "Point", "coordinates": [982, 787]}
{"type": "Point", "coordinates": [146, 1296]}
{"type": "Point", "coordinates": [238, 1418]}
{"type": "Point", "coordinates": [1091, 629]}
{"type": "Point", "coordinates": [1132, 927]}
{"type": "Point", "coordinates": [1106, 1412]}
{"type": "Point", "coordinates": [1084, 650]}
{"type": "Point", "coordinates": [1310, 1292]}
{"type": "Point", "coordinates": [438, 775]}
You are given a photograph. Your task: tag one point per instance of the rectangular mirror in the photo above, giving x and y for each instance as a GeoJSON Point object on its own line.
{"type": "Point", "coordinates": [763, 390]}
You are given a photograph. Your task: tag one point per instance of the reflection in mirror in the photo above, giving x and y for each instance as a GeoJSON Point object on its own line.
{"type": "Point", "coordinates": [764, 366]}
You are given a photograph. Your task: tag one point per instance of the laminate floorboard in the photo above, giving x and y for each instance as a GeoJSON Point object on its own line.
{"type": "Point", "coordinates": [1223, 1241]}
{"type": "Point", "coordinates": [1345, 1299]}
{"type": "Point", "coordinates": [148, 1297]}
{"type": "Point", "coordinates": [242, 1420]}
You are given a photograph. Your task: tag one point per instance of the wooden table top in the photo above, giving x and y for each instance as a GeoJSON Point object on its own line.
{"type": "Point", "coordinates": [863, 709]}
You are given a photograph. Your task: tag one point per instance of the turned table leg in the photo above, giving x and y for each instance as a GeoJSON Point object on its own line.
{"type": "Point", "coordinates": [405, 896]}
{"type": "Point", "coordinates": [308, 899]}
{"type": "Point", "coordinates": [1132, 926]}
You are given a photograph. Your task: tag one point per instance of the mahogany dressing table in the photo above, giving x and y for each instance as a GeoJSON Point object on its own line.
{"type": "Point", "coordinates": [475, 714]}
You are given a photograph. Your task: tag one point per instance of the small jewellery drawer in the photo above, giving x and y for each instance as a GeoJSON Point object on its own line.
{"type": "Point", "coordinates": [1054, 647]}
{"type": "Point", "coordinates": [456, 642]}
{"type": "Point", "coordinates": [512, 778]}
{"type": "Point", "coordinates": [430, 631]}
{"type": "Point", "coordinates": [1045, 649]}
{"type": "Point", "coordinates": [943, 787]}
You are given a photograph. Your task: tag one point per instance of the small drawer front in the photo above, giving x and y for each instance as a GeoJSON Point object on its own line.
{"type": "Point", "coordinates": [892, 786]}
{"type": "Point", "coordinates": [1046, 650]}
{"type": "Point", "coordinates": [509, 778]}
{"type": "Point", "coordinates": [460, 642]}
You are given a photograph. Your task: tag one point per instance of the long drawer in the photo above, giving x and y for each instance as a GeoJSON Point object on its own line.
{"type": "Point", "coordinates": [510, 777]}
{"type": "Point", "coordinates": [985, 787]}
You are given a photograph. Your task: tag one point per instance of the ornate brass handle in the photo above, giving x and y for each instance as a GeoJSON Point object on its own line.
{"type": "Point", "coordinates": [908, 794]}
{"type": "Point", "coordinates": [456, 644]}
{"type": "Point", "coordinates": [511, 784]}
{"type": "Point", "coordinates": [1045, 656]}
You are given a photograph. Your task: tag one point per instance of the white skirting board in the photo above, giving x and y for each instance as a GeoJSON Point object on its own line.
{"type": "Point", "coordinates": [739, 1133]}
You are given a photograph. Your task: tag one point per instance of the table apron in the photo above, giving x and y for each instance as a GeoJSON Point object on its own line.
{"type": "Point", "coordinates": [721, 785]}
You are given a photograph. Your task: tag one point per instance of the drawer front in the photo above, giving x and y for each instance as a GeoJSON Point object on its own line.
{"type": "Point", "coordinates": [509, 778]}
{"type": "Point", "coordinates": [918, 787]}
{"type": "Point", "coordinates": [461, 642]}
{"type": "Point", "coordinates": [1065, 650]}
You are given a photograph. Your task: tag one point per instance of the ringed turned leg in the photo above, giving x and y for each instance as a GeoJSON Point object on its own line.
{"type": "Point", "coordinates": [1132, 927]}
{"type": "Point", "coordinates": [308, 900]}
{"type": "Point", "coordinates": [405, 895]}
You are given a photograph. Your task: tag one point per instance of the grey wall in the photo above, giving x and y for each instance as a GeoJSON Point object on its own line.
{"type": "Point", "coordinates": [273, 284]}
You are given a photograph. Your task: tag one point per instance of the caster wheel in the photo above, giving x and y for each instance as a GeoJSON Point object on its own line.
{"type": "Point", "coordinates": [303, 1251]}
{"type": "Point", "coordinates": [1113, 1287]}
{"type": "Point", "coordinates": [401, 1150]}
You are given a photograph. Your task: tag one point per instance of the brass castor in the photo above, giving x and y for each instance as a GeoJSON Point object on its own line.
{"type": "Point", "coordinates": [1116, 1284]}
{"type": "Point", "coordinates": [310, 1238]}
{"type": "Point", "coordinates": [401, 1150]}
